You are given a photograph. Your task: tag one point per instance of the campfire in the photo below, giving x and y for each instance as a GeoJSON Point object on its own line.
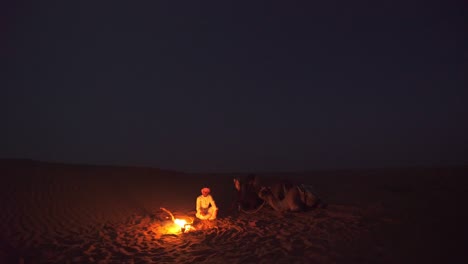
{"type": "Point", "coordinates": [184, 225]}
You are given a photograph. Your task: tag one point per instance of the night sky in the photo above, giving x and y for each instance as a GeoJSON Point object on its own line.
{"type": "Point", "coordinates": [219, 86]}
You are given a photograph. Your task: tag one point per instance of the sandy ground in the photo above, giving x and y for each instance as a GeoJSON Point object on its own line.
{"type": "Point", "coordinates": [55, 213]}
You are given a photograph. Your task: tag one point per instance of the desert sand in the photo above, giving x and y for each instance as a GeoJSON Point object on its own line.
{"type": "Point", "coordinates": [59, 213]}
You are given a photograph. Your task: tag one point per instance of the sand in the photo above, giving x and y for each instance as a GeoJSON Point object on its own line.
{"type": "Point", "coordinates": [59, 213]}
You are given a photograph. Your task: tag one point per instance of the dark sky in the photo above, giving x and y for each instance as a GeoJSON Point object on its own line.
{"type": "Point", "coordinates": [219, 86]}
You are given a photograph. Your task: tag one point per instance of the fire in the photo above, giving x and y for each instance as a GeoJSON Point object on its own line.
{"type": "Point", "coordinates": [184, 226]}
{"type": "Point", "coordinates": [181, 223]}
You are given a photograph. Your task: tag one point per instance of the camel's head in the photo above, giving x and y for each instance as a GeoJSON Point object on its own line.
{"type": "Point", "coordinates": [249, 182]}
{"type": "Point", "coordinates": [237, 184]}
{"type": "Point", "coordinates": [264, 192]}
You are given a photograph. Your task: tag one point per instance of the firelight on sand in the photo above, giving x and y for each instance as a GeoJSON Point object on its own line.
{"type": "Point", "coordinates": [181, 224]}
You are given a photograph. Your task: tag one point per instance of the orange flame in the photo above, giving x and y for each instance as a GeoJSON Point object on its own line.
{"type": "Point", "coordinates": [184, 226]}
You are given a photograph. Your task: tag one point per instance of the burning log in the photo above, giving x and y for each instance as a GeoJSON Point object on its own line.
{"type": "Point", "coordinates": [167, 211]}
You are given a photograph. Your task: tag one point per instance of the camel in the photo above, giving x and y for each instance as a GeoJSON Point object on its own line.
{"type": "Point", "coordinates": [282, 196]}
{"type": "Point", "coordinates": [247, 198]}
{"type": "Point", "coordinates": [293, 198]}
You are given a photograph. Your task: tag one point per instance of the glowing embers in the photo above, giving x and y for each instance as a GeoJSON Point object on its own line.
{"type": "Point", "coordinates": [184, 226]}
{"type": "Point", "coordinates": [178, 225]}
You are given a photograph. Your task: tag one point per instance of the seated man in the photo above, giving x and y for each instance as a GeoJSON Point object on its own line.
{"type": "Point", "coordinates": [206, 206]}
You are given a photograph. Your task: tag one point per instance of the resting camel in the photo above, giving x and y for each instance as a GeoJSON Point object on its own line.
{"type": "Point", "coordinates": [282, 196]}
{"type": "Point", "coordinates": [247, 197]}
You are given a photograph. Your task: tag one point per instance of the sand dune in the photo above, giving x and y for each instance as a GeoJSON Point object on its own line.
{"type": "Point", "coordinates": [53, 213]}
